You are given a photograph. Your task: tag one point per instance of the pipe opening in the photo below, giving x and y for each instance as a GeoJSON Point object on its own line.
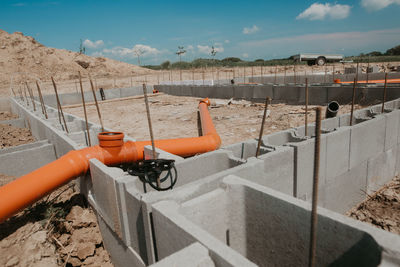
{"type": "Point", "coordinates": [332, 109]}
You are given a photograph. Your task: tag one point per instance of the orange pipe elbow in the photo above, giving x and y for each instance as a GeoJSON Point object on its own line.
{"type": "Point", "coordinates": [112, 150]}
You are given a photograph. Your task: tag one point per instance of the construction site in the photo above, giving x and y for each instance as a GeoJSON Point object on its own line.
{"type": "Point", "coordinates": [235, 167]}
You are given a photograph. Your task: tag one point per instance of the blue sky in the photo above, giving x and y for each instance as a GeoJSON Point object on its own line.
{"type": "Point", "coordinates": [245, 29]}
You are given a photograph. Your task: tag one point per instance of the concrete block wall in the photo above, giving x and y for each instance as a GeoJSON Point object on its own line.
{"type": "Point", "coordinates": [318, 94]}
{"type": "Point", "coordinates": [137, 229]}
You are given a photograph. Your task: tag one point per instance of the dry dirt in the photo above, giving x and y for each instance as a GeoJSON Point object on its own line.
{"type": "Point", "coordinates": [5, 115]}
{"type": "Point", "coordinates": [14, 136]}
{"type": "Point", "coordinates": [175, 117]}
{"type": "Point", "coordinates": [59, 230]}
{"type": "Point", "coordinates": [22, 58]}
{"type": "Point", "coordinates": [381, 209]}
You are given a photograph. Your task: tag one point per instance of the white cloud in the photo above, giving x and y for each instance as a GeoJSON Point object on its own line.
{"type": "Point", "coordinates": [96, 44]}
{"type": "Point", "coordinates": [319, 11]}
{"type": "Point", "coordinates": [373, 5]}
{"type": "Point", "coordinates": [121, 52]}
{"type": "Point", "coordinates": [205, 49]}
{"type": "Point", "coordinates": [245, 55]}
{"type": "Point", "coordinates": [251, 30]}
{"type": "Point", "coordinates": [227, 41]}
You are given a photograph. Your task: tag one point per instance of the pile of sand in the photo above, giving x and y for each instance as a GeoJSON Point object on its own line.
{"type": "Point", "coordinates": [23, 54]}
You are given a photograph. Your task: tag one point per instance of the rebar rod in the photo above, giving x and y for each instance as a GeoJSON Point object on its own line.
{"type": "Point", "coordinates": [306, 111]}
{"type": "Point", "coordinates": [353, 98]}
{"type": "Point", "coordinates": [314, 215]}
{"type": "Point", "coordinates": [384, 93]}
{"type": "Point", "coordinates": [97, 104]}
{"type": "Point", "coordinates": [59, 105]}
{"type": "Point", "coordinates": [262, 126]}
{"type": "Point", "coordinates": [44, 111]}
{"type": "Point", "coordinates": [31, 96]}
{"type": "Point", "coordinates": [84, 109]}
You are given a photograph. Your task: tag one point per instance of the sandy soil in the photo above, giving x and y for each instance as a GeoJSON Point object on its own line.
{"type": "Point", "coordinates": [13, 136]}
{"type": "Point", "coordinates": [174, 117]}
{"type": "Point", "coordinates": [58, 230]}
{"type": "Point", "coordinates": [5, 115]}
{"type": "Point", "coordinates": [381, 209]}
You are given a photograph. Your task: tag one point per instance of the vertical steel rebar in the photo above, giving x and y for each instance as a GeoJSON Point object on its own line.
{"type": "Point", "coordinates": [294, 73]}
{"type": "Point", "coordinates": [59, 106]}
{"type": "Point", "coordinates": [384, 93]}
{"type": "Point", "coordinates": [333, 73]}
{"type": "Point", "coordinates": [31, 96]}
{"type": "Point", "coordinates": [84, 108]}
{"type": "Point", "coordinates": [367, 71]}
{"type": "Point", "coordinates": [353, 98]}
{"type": "Point", "coordinates": [26, 97]}
{"type": "Point", "coordinates": [306, 110]}
{"type": "Point", "coordinates": [284, 76]}
{"type": "Point", "coordinates": [44, 111]}
{"type": "Point", "coordinates": [276, 70]}
{"type": "Point", "coordinates": [262, 126]}
{"type": "Point", "coordinates": [314, 216]}
{"type": "Point", "coordinates": [97, 104]}
{"type": "Point", "coordinates": [146, 101]}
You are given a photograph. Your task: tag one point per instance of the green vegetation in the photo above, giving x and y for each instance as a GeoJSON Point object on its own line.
{"type": "Point", "coordinates": [392, 54]}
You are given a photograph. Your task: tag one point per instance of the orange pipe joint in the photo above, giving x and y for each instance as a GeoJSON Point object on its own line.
{"type": "Point", "coordinates": [112, 150]}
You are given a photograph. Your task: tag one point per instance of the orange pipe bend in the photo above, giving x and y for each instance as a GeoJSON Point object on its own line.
{"type": "Point", "coordinates": [112, 150]}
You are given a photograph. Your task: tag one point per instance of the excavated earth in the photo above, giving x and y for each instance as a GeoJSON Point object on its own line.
{"type": "Point", "coordinates": [58, 230]}
{"type": "Point", "coordinates": [381, 209]}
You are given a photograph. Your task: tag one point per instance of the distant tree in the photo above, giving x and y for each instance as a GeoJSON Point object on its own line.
{"type": "Point", "coordinates": [259, 60]}
{"type": "Point", "coordinates": [231, 59]}
{"type": "Point", "coordinates": [165, 65]}
{"type": "Point", "coordinates": [82, 48]}
{"type": "Point", "coordinates": [138, 52]}
{"type": "Point", "coordinates": [374, 54]}
{"type": "Point", "coordinates": [395, 51]}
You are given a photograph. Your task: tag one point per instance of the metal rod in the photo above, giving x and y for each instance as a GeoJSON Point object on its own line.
{"type": "Point", "coordinates": [97, 104]}
{"type": "Point", "coordinates": [31, 95]}
{"type": "Point", "coordinates": [352, 101]}
{"type": "Point", "coordinates": [384, 93]}
{"type": "Point", "coordinates": [367, 71]}
{"type": "Point", "coordinates": [333, 73]}
{"type": "Point", "coordinates": [146, 101]}
{"type": "Point", "coordinates": [276, 69]}
{"type": "Point", "coordinates": [294, 73]}
{"type": "Point", "coordinates": [306, 113]}
{"type": "Point", "coordinates": [26, 98]}
{"type": "Point", "coordinates": [44, 111]}
{"type": "Point", "coordinates": [59, 105]}
{"type": "Point", "coordinates": [284, 76]}
{"type": "Point", "coordinates": [84, 108]}
{"type": "Point", "coordinates": [262, 126]}
{"type": "Point", "coordinates": [314, 217]}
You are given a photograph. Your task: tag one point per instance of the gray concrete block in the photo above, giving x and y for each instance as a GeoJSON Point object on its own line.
{"type": "Point", "coordinates": [19, 123]}
{"type": "Point", "coordinates": [243, 92]}
{"type": "Point", "coordinates": [20, 161]}
{"type": "Point", "coordinates": [286, 94]}
{"type": "Point", "coordinates": [304, 167]}
{"type": "Point", "coordinates": [391, 129]}
{"type": "Point", "coordinates": [121, 255]}
{"type": "Point", "coordinates": [337, 152]}
{"type": "Point", "coordinates": [367, 140]}
{"type": "Point", "coordinates": [105, 195]}
{"type": "Point", "coordinates": [225, 217]}
{"type": "Point", "coordinates": [381, 169]}
{"type": "Point", "coordinates": [193, 255]}
{"type": "Point", "coordinates": [281, 138]}
{"type": "Point", "coordinates": [261, 92]}
{"type": "Point", "coordinates": [343, 192]}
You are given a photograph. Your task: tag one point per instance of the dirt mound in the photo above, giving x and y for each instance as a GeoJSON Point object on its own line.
{"type": "Point", "coordinates": [5, 115]}
{"type": "Point", "coordinates": [13, 136]}
{"type": "Point", "coordinates": [381, 209]}
{"type": "Point", "coordinates": [59, 230]}
{"type": "Point", "coordinates": [23, 54]}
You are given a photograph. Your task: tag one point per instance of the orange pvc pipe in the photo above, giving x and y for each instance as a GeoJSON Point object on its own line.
{"type": "Point", "coordinates": [369, 81]}
{"type": "Point", "coordinates": [112, 150]}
